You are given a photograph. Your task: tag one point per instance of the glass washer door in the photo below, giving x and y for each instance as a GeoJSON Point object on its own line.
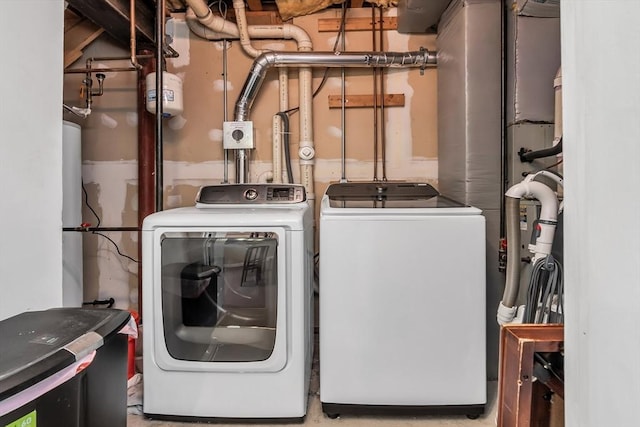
{"type": "Point", "coordinates": [220, 295]}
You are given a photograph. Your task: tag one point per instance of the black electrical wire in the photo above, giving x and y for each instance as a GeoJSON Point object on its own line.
{"type": "Point", "coordinates": [86, 202]}
{"type": "Point", "coordinates": [316, 273]}
{"type": "Point", "coordinates": [287, 149]}
{"type": "Point", "coordinates": [546, 289]}
{"type": "Point", "coordinates": [529, 156]}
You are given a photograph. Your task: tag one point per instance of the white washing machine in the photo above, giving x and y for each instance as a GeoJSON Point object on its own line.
{"type": "Point", "coordinates": [402, 301]}
{"type": "Point", "coordinates": [227, 305]}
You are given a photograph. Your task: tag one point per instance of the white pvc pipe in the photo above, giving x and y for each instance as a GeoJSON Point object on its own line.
{"type": "Point", "coordinates": [283, 77]}
{"type": "Point", "coordinates": [557, 86]}
{"type": "Point", "coordinates": [548, 213]}
{"type": "Point", "coordinates": [198, 12]}
{"type": "Point", "coordinates": [554, 177]}
{"type": "Point", "coordinates": [277, 149]}
{"type": "Point", "coordinates": [241, 20]}
{"type": "Point", "coordinates": [306, 152]}
{"type": "Point", "coordinates": [215, 27]}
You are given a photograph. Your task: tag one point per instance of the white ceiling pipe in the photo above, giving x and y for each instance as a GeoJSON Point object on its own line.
{"type": "Point", "coordinates": [241, 21]}
{"type": "Point", "coordinates": [213, 27]}
{"type": "Point", "coordinates": [200, 11]}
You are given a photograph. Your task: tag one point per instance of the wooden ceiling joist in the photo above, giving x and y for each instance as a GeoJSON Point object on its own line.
{"type": "Point", "coordinates": [79, 32]}
{"type": "Point", "coordinates": [254, 4]}
{"type": "Point", "coordinates": [113, 16]}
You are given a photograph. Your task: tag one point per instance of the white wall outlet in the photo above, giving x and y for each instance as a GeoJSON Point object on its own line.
{"type": "Point", "coordinates": [237, 135]}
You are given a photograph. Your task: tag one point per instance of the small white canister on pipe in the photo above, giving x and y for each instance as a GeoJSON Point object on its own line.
{"type": "Point", "coordinates": [172, 104]}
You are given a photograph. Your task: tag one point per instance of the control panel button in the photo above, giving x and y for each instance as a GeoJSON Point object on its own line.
{"type": "Point", "coordinates": [237, 134]}
{"type": "Point", "coordinates": [251, 194]}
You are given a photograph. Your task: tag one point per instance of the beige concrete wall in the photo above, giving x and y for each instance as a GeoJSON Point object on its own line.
{"type": "Point", "coordinates": [193, 154]}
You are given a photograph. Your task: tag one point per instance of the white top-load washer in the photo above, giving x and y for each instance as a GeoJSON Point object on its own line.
{"type": "Point", "coordinates": [402, 301]}
{"type": "Point", "coordinates": [227, 313]}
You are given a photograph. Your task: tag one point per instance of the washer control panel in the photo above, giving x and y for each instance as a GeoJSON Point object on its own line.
{"type": "Point", "coordinates": [250, 194]}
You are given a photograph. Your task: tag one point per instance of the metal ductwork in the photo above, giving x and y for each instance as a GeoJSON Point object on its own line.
{"type": "Point", "coordinates": [261, 65]}
{"type": "Point", "coordinates": [420, 16]}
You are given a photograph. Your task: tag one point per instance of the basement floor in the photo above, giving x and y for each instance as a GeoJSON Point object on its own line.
{"type": "Point", "coordinates": [315, 417]}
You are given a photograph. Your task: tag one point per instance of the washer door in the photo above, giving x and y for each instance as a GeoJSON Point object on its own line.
{"type": "Point", "coordinates": [222, 295]}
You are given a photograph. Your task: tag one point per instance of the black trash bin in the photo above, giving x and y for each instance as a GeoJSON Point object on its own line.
{"type": "Point", "coordinates": [64, 367]}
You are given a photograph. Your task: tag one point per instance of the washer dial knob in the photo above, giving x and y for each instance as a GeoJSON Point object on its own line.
{"type": "Point", "coordinates": [251, 194]}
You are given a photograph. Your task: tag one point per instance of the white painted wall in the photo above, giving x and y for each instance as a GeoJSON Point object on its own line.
{"type": "Point", "coordinates": [601, 88]}
{"type": "Point", "coordinates": [31, 155]}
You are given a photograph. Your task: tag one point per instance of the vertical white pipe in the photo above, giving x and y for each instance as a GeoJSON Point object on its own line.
{"type": "Point", "coordinates": [72, 263]}
{"type": "Point", "coordinates": [306, 152]}
{"type": "Point", "coordinates": [277, 149]}
{"type": "Point", "coordinates": [243, 29]}
{"type": "Point", "coordinates": [283, 77]}
{"type": "Point", "coordinates": [557, 86]}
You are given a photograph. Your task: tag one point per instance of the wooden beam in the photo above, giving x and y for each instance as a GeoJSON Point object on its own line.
{"type": "Point", "coordinates": [261, 17]}
{"type": "Point", "coordinates": [356, 24]}
{"type": "Point", "coordinates": [113, 16]}
{"type": "Point", "coordinates": [361, 101]}
{"type": "Point", "coordinates": [77, 37]}
{"type": "Point", "coordinates": [356, 3]}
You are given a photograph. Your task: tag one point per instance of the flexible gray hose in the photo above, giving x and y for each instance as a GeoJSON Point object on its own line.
{"type": "Point", "coordinates": [512, 282]}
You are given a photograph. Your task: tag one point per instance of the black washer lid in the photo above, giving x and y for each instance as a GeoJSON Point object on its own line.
{"type": "Point", "coordinates": [37, 344]}
{"type": "Point", "coordinates": [388, 190]}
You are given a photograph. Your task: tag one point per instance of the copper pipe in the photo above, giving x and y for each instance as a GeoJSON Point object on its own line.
{"type": "Point", "coordinates": [146, 162]}
{"type": "Point", "coordinates": [375, 97]}
{"type": "Point", "coordinates": [88, 229]}
{"type": "Point", "coordinates": [98, 70]}
{"type": "Point", "coordinates": [132, 30]}
{"type": "Point", "coordinates": [383, 139]}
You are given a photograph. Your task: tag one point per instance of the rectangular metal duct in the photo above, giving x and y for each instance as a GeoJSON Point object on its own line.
{"type": "Point", "coordinates": [420, 16]}
{"type": "Point", "coordinates": [470, 129]}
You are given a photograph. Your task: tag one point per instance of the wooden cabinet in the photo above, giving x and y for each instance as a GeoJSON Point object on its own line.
{"type": "Point", "coordinates": [522, 398]}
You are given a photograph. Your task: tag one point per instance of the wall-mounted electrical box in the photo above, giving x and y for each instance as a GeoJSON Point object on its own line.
{"type": "Point", "coordinates": [237, 135]}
